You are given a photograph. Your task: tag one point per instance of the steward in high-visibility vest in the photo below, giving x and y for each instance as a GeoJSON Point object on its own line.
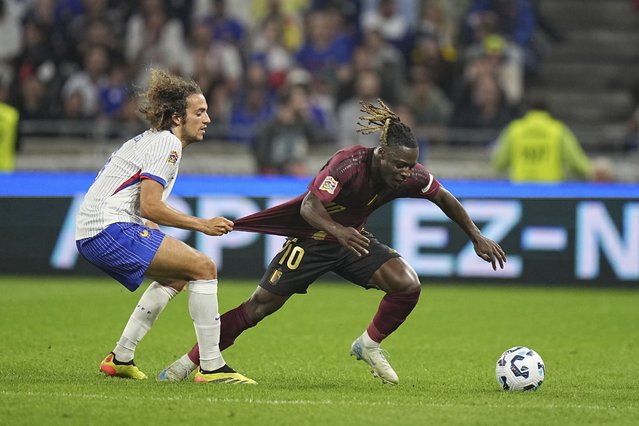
{"type": "Point", "coordinates": [8, 136]}
{"type": "Point", "coordinates": [540, 148]}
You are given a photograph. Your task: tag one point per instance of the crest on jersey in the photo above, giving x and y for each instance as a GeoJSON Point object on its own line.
{"type": "Point", "coordinates": [173, 157]}
{"type": "Point", "coordinates": [329, 185]}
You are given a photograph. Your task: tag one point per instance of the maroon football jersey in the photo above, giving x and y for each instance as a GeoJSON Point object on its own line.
{"type": "Point", "coordinates": [345, 187]}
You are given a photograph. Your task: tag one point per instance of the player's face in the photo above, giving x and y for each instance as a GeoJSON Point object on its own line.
{"type": "Point", "coordinates": [397, 164]}
{"type": "Point", "coordinates": [196, 118]}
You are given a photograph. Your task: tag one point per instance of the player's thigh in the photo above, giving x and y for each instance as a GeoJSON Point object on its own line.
{"type": "Point", "coordinates": [396, 276]}
{"type": "Point", "coordinates": [177, 260]}
{"type": "Point", "coordinates": [361, 270]}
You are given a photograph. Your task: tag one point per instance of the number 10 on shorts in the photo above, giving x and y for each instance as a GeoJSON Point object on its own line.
{"type": "Point", "coordinates": [291, 255]}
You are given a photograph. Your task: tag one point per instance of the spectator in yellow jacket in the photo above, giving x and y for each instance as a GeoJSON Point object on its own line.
{"type": "Point", "coordinates": [540, 148]}
{"type": "Point", "coordinates": [9, 117]}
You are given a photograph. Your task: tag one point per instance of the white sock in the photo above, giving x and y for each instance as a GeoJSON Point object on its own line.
{"type": "Point", "coordinates": [368, 342]}
{"type": "Point", "coordinates": [152, 302]}
{"type": "Point", "coordinates": [206, 320]}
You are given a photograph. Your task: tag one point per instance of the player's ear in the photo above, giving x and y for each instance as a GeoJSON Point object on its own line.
{"type": "Point", "coordinates": [176, 119]}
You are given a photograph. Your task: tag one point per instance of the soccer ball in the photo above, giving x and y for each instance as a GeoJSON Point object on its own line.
{"type": "Point", "coordinates": [520, 369]}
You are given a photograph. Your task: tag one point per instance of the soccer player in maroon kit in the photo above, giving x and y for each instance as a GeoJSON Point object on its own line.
{"type": "Point", "coordinates": [325, 230]}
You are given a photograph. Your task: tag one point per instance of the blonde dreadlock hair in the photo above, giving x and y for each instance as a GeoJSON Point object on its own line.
{"type": "Point", "coordinates": [393, 131]}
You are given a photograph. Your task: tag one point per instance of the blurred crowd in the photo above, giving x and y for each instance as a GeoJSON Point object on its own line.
{"type": "Point", "coordinates": [280, 75]}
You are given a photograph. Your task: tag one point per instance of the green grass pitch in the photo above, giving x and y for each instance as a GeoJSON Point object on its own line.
{"type": "Point", "coordinates": [55, 331]}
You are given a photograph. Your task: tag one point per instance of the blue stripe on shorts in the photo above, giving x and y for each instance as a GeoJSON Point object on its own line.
{"type": "Point", "coordinates": [123, 250]}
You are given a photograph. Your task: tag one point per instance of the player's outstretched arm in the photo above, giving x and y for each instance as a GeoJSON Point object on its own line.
{"type": "Point", "coordinates": [485, 248]}
{"type": "Point", "coordinates": [154, 209]}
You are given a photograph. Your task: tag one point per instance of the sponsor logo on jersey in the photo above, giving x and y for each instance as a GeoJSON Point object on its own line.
{"type": "Point", "coordinates": [173, 157]}
{"type": "Point", "coordinates": [145, 234]}
{"type": "Point", "coordinates": [329, 185]}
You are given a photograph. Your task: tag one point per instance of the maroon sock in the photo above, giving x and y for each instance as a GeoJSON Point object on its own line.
{"type": "Point", "coordinates": [234, 322]}
{"type": "Point", "coordinates": [392, 311]}
{"type": "Point", "coordinates": [194, 354]}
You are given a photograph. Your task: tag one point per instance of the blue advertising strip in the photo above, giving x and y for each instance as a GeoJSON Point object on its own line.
{"type": "Point", "coordinates": [582, 242]}
{"type": "Point", "coordinates": [47, 184]}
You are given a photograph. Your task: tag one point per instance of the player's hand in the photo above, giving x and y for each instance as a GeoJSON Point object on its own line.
{"type": "Point", "coordinates": [353, 240]}
{"type": "Point", "coordinates": [490, 251]}
{"type": "Point", "coordinates": [151, 225]}
{"type": "Point", "coordinates": [218, 226]}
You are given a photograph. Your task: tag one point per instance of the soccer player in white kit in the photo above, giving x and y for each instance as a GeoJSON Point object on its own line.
{"type": "Point", "coordinates": [117, 228]}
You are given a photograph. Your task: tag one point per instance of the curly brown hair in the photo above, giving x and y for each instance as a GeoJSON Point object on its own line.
{"type": "Point", "coordinates": [381, 118]}
{"type": "Point", "coordinates": [166, 95]}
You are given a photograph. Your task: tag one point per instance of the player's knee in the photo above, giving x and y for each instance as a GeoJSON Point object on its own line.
{"type": "Point", "coordinates": [416, 288]}
{"type": "Point", "coordinates": [406, 283]}
{"type": "Point", "coordinates": [204, 267]}
{"type": "Point", "coordinates": [407, 298]}
{"type": "Point", "coordinates": [262, 304]}
{"type": "Point", "coordinates": [411, 286]}
{"type": "Point", "coordinates": [177, 285]}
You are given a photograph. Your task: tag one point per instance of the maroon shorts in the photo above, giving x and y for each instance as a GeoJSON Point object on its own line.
{"type": "Point", "coordinates": [300, 262]}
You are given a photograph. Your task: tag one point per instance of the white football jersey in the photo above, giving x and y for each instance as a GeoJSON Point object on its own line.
{"type": "Point", "coordinates": [114, 196]}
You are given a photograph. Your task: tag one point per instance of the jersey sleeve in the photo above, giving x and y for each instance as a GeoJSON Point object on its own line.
{"type": "Point", "coordinates": [161, 160]}
{"type": "Point", "coordinates": [329, 182]}
{"type": "Point", "coordinates": [422, 184]}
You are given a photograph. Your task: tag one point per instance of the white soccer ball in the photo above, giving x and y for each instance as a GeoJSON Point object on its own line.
{"type": "Point", "coordinates": [520, 369]}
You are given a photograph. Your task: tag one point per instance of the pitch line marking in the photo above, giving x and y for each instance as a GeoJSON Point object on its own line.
{"type": "Point", "coordinates": [310, 402]}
